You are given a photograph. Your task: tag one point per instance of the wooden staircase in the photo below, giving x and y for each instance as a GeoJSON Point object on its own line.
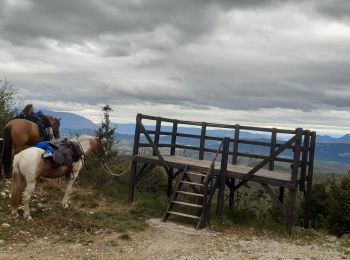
{"type": "Point", "coordinates": [197, 190]}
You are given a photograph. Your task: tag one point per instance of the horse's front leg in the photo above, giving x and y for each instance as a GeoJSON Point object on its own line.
{"type": "Point", "coordinates": [26, 198]}
{"type": "Point", "coordinates": [69, 185]}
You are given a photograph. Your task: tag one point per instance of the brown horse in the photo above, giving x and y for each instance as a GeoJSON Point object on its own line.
{"type": "Point", "coordinates": [22, 132]}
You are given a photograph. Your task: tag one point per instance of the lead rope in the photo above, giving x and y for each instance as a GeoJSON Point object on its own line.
{"type": "Point", "coordinates": [110, 172]}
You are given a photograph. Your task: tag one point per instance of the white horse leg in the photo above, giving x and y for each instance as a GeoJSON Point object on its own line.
{"type": "Point", "coordinates": [69, 185]}
{"type": "Point", "coordinates": [26, 198]}
{"type": "Point", "coordinates": [14, 212]}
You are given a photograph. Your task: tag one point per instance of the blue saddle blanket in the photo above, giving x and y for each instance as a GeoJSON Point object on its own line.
{"type": "Point", "coordinates": [45, 145]}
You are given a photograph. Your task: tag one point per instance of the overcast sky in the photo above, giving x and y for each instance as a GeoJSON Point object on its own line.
{"type": "Point", "coordinates": [254, 62]}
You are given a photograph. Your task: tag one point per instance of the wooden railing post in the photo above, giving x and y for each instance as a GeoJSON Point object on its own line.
{"type": "Point", "coordinates": [222, 177]}
{"type": "Point", "coordinates": [173, 139]}
{"type": "Point", "coordinates": [304, 160]}
{"type": "Point", "coordinates": [232, 181]}
{"type": "Point", "coordinates": [309, 180]}
{"type": "Point", "coordinates": [272, 149]}
{"type": "Point", "coordinates": [172, 152]}
{"type": "Point", "coordinates": [157, 134]}
{"type": "Point", "coordinates": [134, 164]}
{"type": "Point", "coordinates": [202, 141]}
{"type": "Point", "coordinates": [297, 151]}
{"type": "Point", "coordinates": [294, 179]}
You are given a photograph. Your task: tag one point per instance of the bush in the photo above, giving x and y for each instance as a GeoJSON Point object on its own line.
{"type": "Point", "coordinates": [339, 211]}
{"type": "Point", "coordinates": [7, 99]}
{"type": "Point", "coordinates": [330, 208]}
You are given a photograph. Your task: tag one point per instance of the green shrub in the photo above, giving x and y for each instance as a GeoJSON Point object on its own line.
{"type": "Point", "coordinates": [339, 211]}
{"type": "Point", "coordinates": [330, 205]}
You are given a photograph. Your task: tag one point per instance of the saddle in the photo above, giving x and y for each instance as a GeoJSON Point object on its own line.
{"type": "Point", "coordinates": [66, 154]}
{"type": "Point", "coordinates": [43, 124]}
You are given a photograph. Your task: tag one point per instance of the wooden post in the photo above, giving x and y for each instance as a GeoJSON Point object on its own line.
{"type": "Point", "coordinates": [173, 139]}
{"type": "Point", "coordinates": [304, 160]}
{"type": "Point", "coordinates": [232, 182]}
{"type": "Point", "coordinates": [309, 181]}
{"type": "Point", "coordinates": [272, 149]}
{"type": "Point", "coordinates": [172, 152]}
{"type": "Point", "coordinates": [293, 191]}
{"type": "Point", "coordinates": [235, 145]}
{"type": "Point", "coordinates": [134, 164]}
{"type": "Point", "coordinates": [222, 177]}
{"type": "Point", "coordinates": [202, 141]}
{"type": "Point", "coordinates": [157, 134]}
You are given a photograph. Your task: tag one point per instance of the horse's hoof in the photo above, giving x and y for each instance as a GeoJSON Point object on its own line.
{"type": "Point", "coordinates": [15, 215]}
{"type": "Point", "coordinates": [65, 205]}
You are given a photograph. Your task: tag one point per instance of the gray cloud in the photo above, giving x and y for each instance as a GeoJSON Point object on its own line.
{"type": "Point", "coordinates": [189, 54]}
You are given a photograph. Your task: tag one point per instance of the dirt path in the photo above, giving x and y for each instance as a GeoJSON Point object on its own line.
{"type": "Point", "coordinates": [172, 241]}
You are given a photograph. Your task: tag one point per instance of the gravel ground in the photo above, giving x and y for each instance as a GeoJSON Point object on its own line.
{"type": "Point", "coordinates": [173, 241]}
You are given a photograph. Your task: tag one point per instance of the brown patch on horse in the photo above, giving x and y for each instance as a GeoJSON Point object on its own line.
{"type": "Point", "coordinates": [96, 147]}
{"type": "Point", "coordinates": [47, 169]}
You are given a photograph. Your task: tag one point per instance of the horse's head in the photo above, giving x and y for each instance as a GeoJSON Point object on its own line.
{"type": "Point", "coordinates": [55, 122]}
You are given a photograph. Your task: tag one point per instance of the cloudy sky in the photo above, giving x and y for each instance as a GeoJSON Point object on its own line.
{"type": "Point", "coordinates": [254, 62]}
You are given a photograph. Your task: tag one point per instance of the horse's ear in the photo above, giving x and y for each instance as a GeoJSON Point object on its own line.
{"type": "Point", "coordinates": [59, 120]}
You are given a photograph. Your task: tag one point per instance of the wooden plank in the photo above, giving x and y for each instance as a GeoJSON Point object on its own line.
{"type": "Point", "coordinates": [190, 193]}
{"type": "Point", "coordinates": [193, 183]}
{"type": "Point", "coordinates": [183, 215]}
{"type": "Point", "coordinates": [187, 204]}
{"type": "Point", "coordinates": [233, 171]}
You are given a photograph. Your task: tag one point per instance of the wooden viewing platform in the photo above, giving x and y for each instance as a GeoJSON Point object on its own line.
{"type": "Point", "coordinates": [226, 171]}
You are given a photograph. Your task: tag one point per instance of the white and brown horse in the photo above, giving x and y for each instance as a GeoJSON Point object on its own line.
{"type": "Point", "coordinates": [21, 132]}
{"type": "Point", "coordinates": [28, 165]}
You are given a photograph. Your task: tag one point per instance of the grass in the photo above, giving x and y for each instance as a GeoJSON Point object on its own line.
{"type": "Point", "coordinates": [100, 206]}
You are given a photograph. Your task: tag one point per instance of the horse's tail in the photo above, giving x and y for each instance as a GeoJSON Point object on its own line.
{"type": "Point", "coordinates": [17, 184]}
{"type": "Point", "coordinates": [7, 152]}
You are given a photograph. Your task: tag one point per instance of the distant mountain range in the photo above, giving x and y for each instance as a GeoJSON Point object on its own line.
{"type": "Point", "coordinates": [328, 148]}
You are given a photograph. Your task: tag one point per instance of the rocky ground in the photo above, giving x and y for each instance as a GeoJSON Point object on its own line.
{"type": "Point", "coordinates": [92, 230]}
{"type": "Point", "coordinates": [173, 241]}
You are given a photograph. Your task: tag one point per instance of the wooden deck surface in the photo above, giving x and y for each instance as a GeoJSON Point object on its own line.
{"type": "Point", "coordinates": [280, 178]}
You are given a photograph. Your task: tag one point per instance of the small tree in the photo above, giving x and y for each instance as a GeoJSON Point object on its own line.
{"type": "Point", "coordinates": [106, 131]}
{"type": "Point", "coordinates": [7, 100]}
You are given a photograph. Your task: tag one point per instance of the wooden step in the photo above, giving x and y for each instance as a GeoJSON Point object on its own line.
{"type": "Point", "coordinates": [192, 183]}
{"type": "Point", "coordinates": [190, 193]}
{"type": "Point", "coordinates": [187, 204]}
{"type": "Point", "coordinates": [196, 174]}
{"type": "Point", "coordinates": [183, 215]}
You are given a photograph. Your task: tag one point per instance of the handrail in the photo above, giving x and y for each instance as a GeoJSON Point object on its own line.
{"type": "Point", "coordinates": [212, 165]}
{"type": "Point", "coordinates": [241, 127]}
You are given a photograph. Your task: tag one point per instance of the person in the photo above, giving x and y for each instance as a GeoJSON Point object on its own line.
{"type": "Point", "coordinates": [39, 118]}
{"type": "Point", "coordinates": [27, 112]}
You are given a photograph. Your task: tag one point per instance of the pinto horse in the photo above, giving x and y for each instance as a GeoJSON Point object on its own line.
{"type": "Point", "coordinates": [28, 165]}
{"type": "Point", "coordinates": [21, 132]}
